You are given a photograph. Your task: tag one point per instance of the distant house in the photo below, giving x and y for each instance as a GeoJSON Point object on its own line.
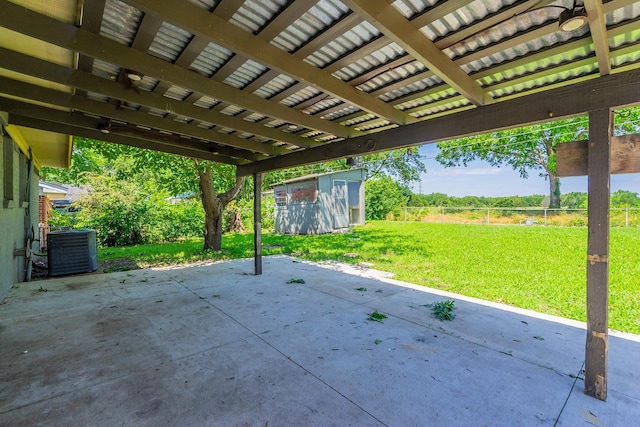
{"type": "Point", "coordinates": [320, 203]}
{"type": "Point", "coordinates": [180, 198]}
{"type": "Point", "coordinates": [53, 195]}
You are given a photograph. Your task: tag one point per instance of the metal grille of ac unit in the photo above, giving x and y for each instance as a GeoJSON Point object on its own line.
{"type": "Point", "coordinates": [71, 252]}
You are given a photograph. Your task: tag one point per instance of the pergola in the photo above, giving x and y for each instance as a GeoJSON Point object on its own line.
{"type": "Point", "coordinates": [272, 84]}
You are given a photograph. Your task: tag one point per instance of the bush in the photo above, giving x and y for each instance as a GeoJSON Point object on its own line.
{"type": "Point", "coordinates": [116, 210]}
{"type": "Point", "coordinates": [383, 196]}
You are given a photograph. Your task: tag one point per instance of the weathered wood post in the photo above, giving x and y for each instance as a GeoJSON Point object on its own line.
{"type": "Point", "coordinates": [599, 167]}
{"type": "Point", "coordinates": [257, 223]}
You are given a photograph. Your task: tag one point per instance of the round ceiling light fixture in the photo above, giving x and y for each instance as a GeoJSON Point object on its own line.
{"type": "Point", "coordinates": [572, 19]}
{"type": "Point", "coordinates": [134, 76]}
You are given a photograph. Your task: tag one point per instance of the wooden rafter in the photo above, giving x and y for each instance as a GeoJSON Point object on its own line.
{"type": "Point", "coordinates": [246, 148]}
{"type": "Point", "coordinates": [213, 28]}
{"type": "Point", "coordinates": [66, 126]}
{"type": "Point", "coordinates": [605, 92]}
{"type": "Point", "coordinates": [598, 29]}
{"type": "Point", "coordinates": [390, 22]}
{"type": "Point", "coordinates": [68, 36]}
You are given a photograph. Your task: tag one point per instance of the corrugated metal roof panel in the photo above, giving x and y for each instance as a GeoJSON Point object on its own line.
{"type": "Point", "coordinates": [245, 74]}
{"type": "Point", "coordinates": [255, 117]}
{"type": "Point", "coordinates": [147, 83]}
{"type": "Point", "coordinates": [205, 125]}
{"type": "Point", "coordinates": [319, 17]}
{"type": "Point", "coordinates": [105, 69]}
{"type": "Point", "coordinates": [205, 4]}
{"type": "Point", "coordinates": [533, 67]}
{"type": "Point", "coordinates": [300, 96]}
{"type": "Point", "coordinates": [410, 88]}
{"type": "Point", "coordinates": [626, 13]}
{"type": "Point", "coordinates": [206, 102]}
{"type": "Point", "coordinates": [394, 75]}
{"type": "Point", "coordinates": [275, 86]}
{"type": "Point", "coordinates": [177, 92]}
{"type": "Point", "coordinates": [349, 109]}
{"type": "Point", "coordinates": [375, 59]}
{"type": "Point", "coordinates": [325, 103]}
{"type": "Point", "coordinates": [547, 80]}
{"type": "Point", "coordinates": [425, 100]}
{"type": "Point", "coordinates": [232, 110]}
{"type": "Point", "coordinates": [97, 97]}
{"type": "Point", "coordinates": [169, 42]}
{"type": "Point", "coordinates": [352, 39]}
{"type": "Point", "coordinates": [120, 22]}
{"type": "Point", "coordinates": [253, 15]}
{"type": "Point", "coordinates": [156, 112]}
{"type": "Point", "coordinates": [211, 59]}
{"type": "Point", "coordinates": [619, 61]}
{"type": "Point", "coordinates": [450, 106]}
{"type": "Point", "coordinates": [410, 8]}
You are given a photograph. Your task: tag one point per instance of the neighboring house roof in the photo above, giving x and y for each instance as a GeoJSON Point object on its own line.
{"type": "Point", "coordinates": [57, 191]}
{"type": "Point", "coordinates": [50, 189]}
{"type": "Point", "coordinates": [182, 196]}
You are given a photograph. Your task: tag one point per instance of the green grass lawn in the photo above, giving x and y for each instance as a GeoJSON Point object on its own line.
{"type": "Point", "coordinates": [543, 269]}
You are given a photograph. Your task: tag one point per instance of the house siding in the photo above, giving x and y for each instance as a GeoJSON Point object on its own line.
{"type": "Point", "coordinates": [17, 214]}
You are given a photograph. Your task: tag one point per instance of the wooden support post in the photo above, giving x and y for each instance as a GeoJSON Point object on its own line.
{"type": "Point", "coordinates": [600, 129]}
{"type": "Point", "coordinates": [257, 223]}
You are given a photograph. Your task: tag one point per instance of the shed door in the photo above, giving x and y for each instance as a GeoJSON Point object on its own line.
{"type": "Point", "coordinates": [340, 210]}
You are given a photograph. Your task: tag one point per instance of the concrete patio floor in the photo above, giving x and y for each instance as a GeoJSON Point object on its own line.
{"type": "Point", "coordinates": [215, 345]}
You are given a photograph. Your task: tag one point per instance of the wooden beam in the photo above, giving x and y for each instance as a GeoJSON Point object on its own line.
{"type": "Point", "coordinates": [68, 36]}
{"type": "Point", "coordinates": [257, 223]}
{"type": "Point", "coordinates": [78, 120]}
{"type": "Point", "coordinates": [595, 377]}
{"type": "Point", "coordinates": [35, 67]}
{"type": "Point", "coordinates": [246, 148]}
{"type": "Point", "coordinates": [395, 26]}
{"type": "Point", "coordinates": [598, 29]}
{"type": "Point", "coordinates": [171, 148]}
{"type": "Point", "coordinates": [615, 90]}
{"type": "Point", "coordinates": [217, 30]}
{"type": "Point", "coordinates": [572, 157]}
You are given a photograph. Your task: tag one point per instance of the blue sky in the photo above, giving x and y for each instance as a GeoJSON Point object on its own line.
{"type": "Point", "coordinates": [481, 179]}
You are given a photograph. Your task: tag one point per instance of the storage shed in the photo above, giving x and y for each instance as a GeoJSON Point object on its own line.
{"type": "Point", "coordinates": [320, 203]}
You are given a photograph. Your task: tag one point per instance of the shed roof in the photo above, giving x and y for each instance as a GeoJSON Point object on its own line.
{"type": "Point", "coordinates": [314, 176]}
{"type": "Point", "coordinates": [274, 83]}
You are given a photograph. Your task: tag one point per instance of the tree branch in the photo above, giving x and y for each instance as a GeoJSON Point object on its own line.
{"type": "Point", "coordinates": [232, 193]}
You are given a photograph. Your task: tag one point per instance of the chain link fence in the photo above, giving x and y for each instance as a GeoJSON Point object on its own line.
{"type": "Point", "coordinates": [619, 217]}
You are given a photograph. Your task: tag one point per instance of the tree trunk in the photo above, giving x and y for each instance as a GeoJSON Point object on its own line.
{"type": "Point", "coordinates": [554, 191]}
{"type": "Point", "coordinates": [234, 222]}
{"type": "Point", "coordinates": [214, 205]}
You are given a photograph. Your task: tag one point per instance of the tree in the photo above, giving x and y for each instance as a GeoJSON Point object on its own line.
{"type": "Point", "coordinates": [625, 199]}
{"type": "Point", "coordinates": [216, 184]}
{"type": "Point", "coordinates": [383, 195]}
{"type": "Point", "coordinates": [524, 149]}
{"type": "Point", "coordinates": [214, 203]}
{"type": "Point", "coordinates": [403, 165]}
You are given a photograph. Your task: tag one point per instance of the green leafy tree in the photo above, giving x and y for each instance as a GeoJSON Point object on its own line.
{"type": "Point", "coordinates": [532, 148]}
{"type": "Point", "coordinates": [403, 165]}
{"type": "Point", "coordinates": [574, 200]}
{"type": "Point", "coordinates": [383, 195]}
{"type": "Point", "coordinates": [216, 184]}
{"type": "Point", "coordinates": [625, 199]}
